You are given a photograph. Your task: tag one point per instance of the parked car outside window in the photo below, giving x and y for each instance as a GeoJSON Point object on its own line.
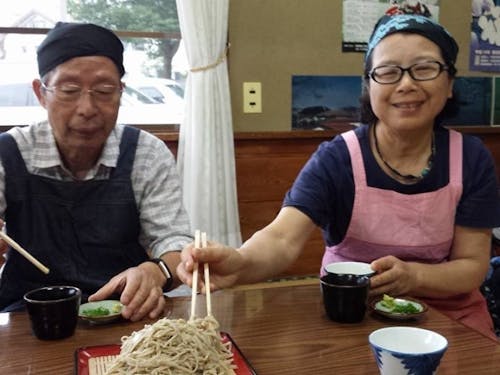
{"type": "Point", "coordinates": [161, 89]}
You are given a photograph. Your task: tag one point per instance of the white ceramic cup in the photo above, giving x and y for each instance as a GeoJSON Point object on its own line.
{"type": "Point", "coordinates": [407, 350]}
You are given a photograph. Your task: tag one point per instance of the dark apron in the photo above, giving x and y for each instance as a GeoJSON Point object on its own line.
{"type": "Point", "coordinates": [85, 232]}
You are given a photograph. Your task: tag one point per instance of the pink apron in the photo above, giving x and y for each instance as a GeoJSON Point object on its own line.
{"type": "Point", "coordinates": [411, 227]}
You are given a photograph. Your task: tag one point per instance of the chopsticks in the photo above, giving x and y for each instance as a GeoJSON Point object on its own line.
{"type": "Point", "coordinates": [194, 288]}
{"type": "Point", "coordinates": [200, 240]}
{"type": "Point", "coordinates": [207, 276]}
{"type": "Point", "coordinates": [23, 252]}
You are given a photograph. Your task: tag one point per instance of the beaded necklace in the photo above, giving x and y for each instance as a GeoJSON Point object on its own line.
{"type": "Point", "coordinates": [407, 177]}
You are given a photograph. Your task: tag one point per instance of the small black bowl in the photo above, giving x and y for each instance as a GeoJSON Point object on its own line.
{"type": "Point", "coordinates": [53, 311]}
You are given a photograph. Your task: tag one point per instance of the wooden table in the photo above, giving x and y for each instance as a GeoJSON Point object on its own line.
{"type": "Point", "coordinates": [281, 330]}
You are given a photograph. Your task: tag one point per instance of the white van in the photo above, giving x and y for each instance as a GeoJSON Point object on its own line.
{"type": "Point", "coordinates": [161, 89]}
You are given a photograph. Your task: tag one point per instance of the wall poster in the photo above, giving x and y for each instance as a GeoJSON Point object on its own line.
{"type": "Point", "coordinates": [360, 16]}
{"type": "Point", "coordinates": [485, 36]}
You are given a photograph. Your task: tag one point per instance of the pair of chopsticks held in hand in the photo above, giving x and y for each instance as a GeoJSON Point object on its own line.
{"type": "Point", "coordinates": [200, 241]}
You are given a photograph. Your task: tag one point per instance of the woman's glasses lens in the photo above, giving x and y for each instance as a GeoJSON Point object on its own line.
{"type": "Point", "coordinates": [425, 71]}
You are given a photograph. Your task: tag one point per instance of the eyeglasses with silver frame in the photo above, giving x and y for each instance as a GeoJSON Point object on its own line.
{"type": "Point", "coordinates": [70, 93]}
{"type": "Point", "coordinates": [422, 71]}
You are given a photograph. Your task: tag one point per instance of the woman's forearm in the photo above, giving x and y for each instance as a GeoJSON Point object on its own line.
{"type": "Point", "coordinates": [448, 279]}
{"type": "Point", "coordinates": [273, 249]}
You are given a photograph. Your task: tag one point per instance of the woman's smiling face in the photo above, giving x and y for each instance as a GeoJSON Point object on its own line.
{"type": "Point", "coordinates": [408, 104]}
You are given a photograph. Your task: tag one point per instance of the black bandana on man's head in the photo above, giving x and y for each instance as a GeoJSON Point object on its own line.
{"type": "Point", "coordinates": [416, 24]}
{"type": "Point", "coordinates": [68, 40]}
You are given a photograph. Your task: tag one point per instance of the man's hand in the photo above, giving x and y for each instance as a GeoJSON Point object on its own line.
{"type": "Point", "coordinates": [3, 244]}
{"type": "Point", "coordinates": [141, 290]}
{"type": "Point", "coordinates": [3, 247]}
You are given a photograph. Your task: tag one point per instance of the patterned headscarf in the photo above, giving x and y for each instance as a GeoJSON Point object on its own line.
{"type": "Point", "coordinates": [415, 24]}
{"type": "Point", "coordinates": [68, 40]}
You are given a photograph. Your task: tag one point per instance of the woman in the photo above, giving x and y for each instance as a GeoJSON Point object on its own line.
{"type": "Point", "coordinates": [414, 199]}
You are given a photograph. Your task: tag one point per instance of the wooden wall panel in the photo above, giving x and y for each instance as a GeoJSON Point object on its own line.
{"type": "Point", "coordinates": [266, 177]}
{"type": "Point", "coordinates": [256, 215]}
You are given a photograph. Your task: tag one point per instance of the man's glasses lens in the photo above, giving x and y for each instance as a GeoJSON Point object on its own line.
{"type": "Point", "coordinates": [70, 93]}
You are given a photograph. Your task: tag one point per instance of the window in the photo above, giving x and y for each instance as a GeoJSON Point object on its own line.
{"type": "Point", "coordinates": [153, 53]}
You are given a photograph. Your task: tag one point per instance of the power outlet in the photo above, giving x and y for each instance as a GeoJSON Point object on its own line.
{"type": "Point", "coordinates": [252, 97]}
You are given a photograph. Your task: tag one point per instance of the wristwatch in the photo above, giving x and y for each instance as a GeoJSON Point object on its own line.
{"type": "Point", "coordinates": [166, 271]}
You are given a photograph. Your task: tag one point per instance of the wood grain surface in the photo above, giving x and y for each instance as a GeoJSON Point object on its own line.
{"type": "Point", "coordinates": [279, 330]}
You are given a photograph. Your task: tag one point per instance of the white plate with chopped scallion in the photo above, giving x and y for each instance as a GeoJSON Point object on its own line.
{"type": "Point", "coordinates": [100, 312]}
{"type": "Point", "coordinates": [398, 308]}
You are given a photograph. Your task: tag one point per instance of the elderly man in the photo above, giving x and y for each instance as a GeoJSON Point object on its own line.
{"type": "Point", "coordinates": [98, 203]}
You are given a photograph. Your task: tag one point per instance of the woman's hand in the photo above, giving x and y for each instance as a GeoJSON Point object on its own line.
{"type": "Point", "coordinates": [393, 277]}
{"type": "Point", "coordinates": [225, 264]}
{"type": "Point", "coordinates": [462, 272]}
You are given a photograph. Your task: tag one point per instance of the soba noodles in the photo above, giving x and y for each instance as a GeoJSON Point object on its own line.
{"type": "Point", "coordinates": [175, 347]}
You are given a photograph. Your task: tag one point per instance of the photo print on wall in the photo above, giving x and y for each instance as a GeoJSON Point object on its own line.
{"type": "Point", "coordinates": [322, 102]}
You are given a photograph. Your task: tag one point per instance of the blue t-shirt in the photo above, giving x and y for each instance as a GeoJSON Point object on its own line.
{"type": "Point", "coordinates": [324, 189]}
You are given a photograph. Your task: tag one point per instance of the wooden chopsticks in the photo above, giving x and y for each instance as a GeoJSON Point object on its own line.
{"type": "Point", "coordinates": [194, 288]}
{"type": "Point", "coordinates": [23, 252]}
{"type": "Point", "coordinates": [200, 240]}
{"type": "Point", "coordinates": [207, 276]}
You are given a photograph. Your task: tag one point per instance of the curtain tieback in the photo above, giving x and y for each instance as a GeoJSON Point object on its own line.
{"type": "Point", "coordinates": [219, 60]}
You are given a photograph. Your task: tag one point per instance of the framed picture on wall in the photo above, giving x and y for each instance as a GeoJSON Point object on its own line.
{"type": "Point", "coordinates": [475, 97]}
{"type": "Point", "coordinates": [322, 102]}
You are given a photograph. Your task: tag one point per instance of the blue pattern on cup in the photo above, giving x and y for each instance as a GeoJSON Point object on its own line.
{"type": "Point", "coordinates": [422, 365]}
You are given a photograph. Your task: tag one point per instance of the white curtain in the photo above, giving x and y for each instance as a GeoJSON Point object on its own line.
{"type": "Point", "coordinates": [206, 149]}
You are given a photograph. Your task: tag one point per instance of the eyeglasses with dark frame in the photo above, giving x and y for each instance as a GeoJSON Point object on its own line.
{"type": "Point", "coordinates": [104, 93]}
{"type": "Point", "coordinates": [422, 71]}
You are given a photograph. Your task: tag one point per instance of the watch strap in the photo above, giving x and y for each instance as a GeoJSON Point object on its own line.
{"type": "Point", "coordinates": [166, 271]}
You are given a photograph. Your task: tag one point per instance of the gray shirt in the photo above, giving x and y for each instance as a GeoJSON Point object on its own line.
{"type": "Point", "coordinates": [155, 181]}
